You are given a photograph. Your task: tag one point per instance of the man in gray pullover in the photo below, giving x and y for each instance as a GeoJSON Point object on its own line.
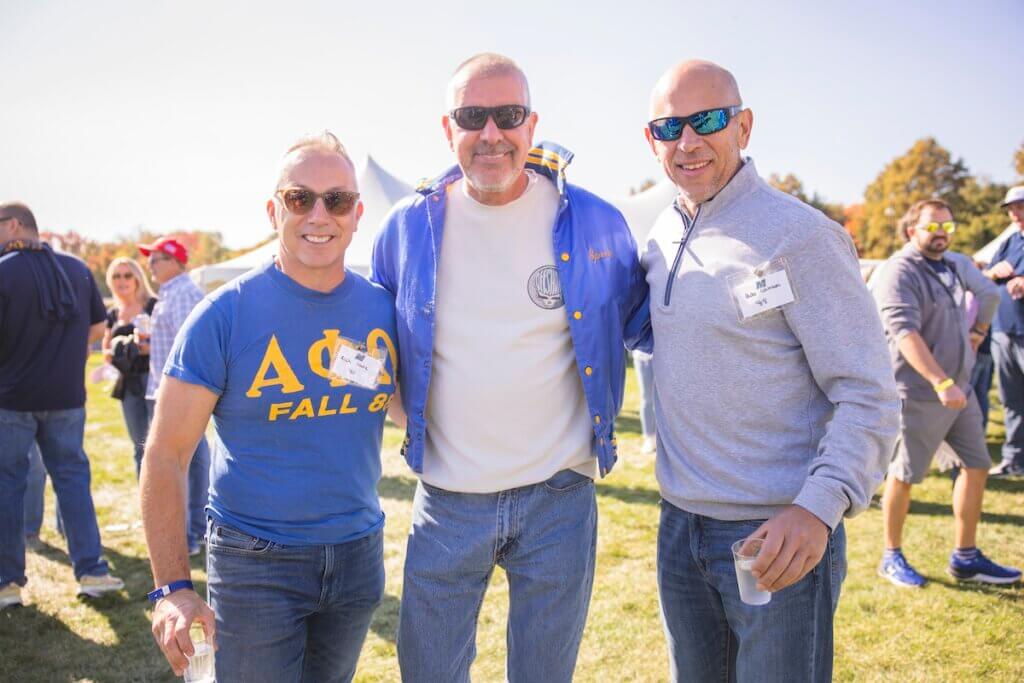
{"type": "Point", "coordinates": [921, 295]}
{"type": "Point", "coordinates": [775, 401]}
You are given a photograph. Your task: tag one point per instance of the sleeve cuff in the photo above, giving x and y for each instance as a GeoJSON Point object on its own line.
{"type": "Point", "coordinates": [823, 502]}
{"type": "Point", "coordinates": [178, 372]}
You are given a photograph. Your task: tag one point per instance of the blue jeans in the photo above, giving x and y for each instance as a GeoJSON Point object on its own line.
{"type": "Point", "coordinates": [291, 613]}
{"type": "Point", "coordinates": [644, 368]}
{"type": "Point", "coordinates": [712, 635]}
{"type": "Point", "coordinates": [35, 488]}
{"type": "Point", "coordinates": [543, 535]}
{"type": "Point", "coordinates": [198, 485]}
{"type": "Point", "coordinates": [136, 419]}
{"type": "Point", "coordinates": [59, 435]}
{"type": "Point", "coordinates": [981, 380]}
{"type": "Point", "coordinates": [1008, 353]}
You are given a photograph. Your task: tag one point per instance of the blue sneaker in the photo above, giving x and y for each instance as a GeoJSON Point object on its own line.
{"type": "Point", "coordinates": [898, 571]}
{"type": "Point", "coordinates": [982, 570]}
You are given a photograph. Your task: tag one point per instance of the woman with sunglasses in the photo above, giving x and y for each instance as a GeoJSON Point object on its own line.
{"type": "Point", "coordinates": [133, 302]}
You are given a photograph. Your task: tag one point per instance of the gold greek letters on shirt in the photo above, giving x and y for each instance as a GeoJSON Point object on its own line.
{"type": "Point", "coordinates": [276, 371]}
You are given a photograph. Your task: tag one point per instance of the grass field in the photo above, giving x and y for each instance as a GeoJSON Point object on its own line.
{"type": "Point", "coordinates": [942, 633]}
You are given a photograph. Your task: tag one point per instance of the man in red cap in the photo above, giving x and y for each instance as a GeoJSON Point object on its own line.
{"type": "Point", "coordinates": [167, 258]}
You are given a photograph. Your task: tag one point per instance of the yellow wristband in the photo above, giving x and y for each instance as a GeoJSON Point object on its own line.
{"type": "Point", "coordinates": [943, 385]}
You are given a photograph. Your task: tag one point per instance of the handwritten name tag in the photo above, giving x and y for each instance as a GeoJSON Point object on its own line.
{"type": "Point", "coordinates": [766, 288]}
{"type": "Point", "coordinates": [357, 367]}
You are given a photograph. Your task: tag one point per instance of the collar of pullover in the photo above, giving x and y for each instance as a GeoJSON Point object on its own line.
{"type": "Point", "coordinates": [744, 182]}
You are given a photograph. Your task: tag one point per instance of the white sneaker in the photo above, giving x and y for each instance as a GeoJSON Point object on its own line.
{"type": "Point", "coordinates": [95, 586]}
{"type": "Point", "coordinates": [650, 445]}
{"type": "Point", "coordinates": [10, 596]}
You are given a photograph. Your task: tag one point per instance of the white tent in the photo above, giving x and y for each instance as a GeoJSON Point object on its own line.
{"type": "Point", "coordinates": [378, 190]}
{"type": "Point", "coordinates": [985, 254]}
{"type": "Point", "coordinates": [641, 210]}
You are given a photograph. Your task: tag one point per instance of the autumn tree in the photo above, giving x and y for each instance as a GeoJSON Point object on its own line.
{"type": "Point", "coordinates": [790, 184]}
{"type": "Point", "coordinates": [1018, 162]}
{"type": "Point", "coordinates": [204, 247]}
{"type": "Point", "coordinates": [980, 218]}
{"type": "Point", "coordinates": [926, 170]}
{"type": "Point", "coordinates": [853, 222]}
{"type": "Point", "coordinates": [645, 185]}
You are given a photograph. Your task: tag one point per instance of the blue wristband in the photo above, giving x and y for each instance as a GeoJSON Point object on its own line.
{"type": "Point", "coordinates": [164, 591]}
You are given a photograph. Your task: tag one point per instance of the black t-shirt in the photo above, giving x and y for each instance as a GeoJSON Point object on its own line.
{"type": "Point", "coordinates": [42, 362]}
{"type": "Point", "coordinates": [120, 329]}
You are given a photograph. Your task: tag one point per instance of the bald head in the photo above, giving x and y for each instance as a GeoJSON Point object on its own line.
{"type": "Point", "coordinates": [324, 143]}
{"type": "Point", "coordinates": [706, 80]}
{"type": "Point", "coordinates": [484, 65]}
{"type": "Point", "coordinates": [16, 221]}
{"type": "Point", "coordinates": [700, 164]}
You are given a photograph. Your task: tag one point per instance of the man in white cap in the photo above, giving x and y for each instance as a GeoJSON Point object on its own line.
{"type": "Point", "coordinates": [1007, 271]}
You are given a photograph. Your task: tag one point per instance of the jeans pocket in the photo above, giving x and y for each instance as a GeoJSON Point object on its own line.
{"type": "Point", "coordinates": [229, 539]}
{"type": "Point", "coordinates": [566, 480]}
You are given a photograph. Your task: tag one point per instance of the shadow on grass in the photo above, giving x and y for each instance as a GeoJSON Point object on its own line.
{"type": "Point", "coordinates": [1009, 592]}
{"type": "Point", "coordinates": [132, 654]}
{"type": "Point", "coordinates": [398, 488]}
{"type": "Point", "coordinates": [918, 507]}
{"type": "Point", "coordinates": [385, 619]}
{"type": "Point", "coordinates": [626, 423]}
{"type": "Point", "coordinates": [629, 494]}
{"type": "Point", "coordinates": [1015, 485]}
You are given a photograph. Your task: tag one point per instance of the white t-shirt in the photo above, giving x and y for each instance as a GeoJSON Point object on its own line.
{"type": "Point", "coordinates": [505, 406]}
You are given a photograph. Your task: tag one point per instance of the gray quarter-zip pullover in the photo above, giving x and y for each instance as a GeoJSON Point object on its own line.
{"type": "Point", "coordinates": [796, 405]}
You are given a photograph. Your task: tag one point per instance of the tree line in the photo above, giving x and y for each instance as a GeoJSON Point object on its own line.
{"type": "Point", "coordinates": [926, 170]}
{"type": "Point", "coordinates": [204, 248]}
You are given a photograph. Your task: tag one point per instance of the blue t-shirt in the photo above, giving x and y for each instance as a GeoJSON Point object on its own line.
{"type": "Point", "coordinates": [42, 356]}
{"type": "Point", "coordinates": [299, 454]}
{"type": "Point", "coordinates": [1010, 315]}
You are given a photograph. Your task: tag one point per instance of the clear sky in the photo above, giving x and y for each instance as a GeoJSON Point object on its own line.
{"type": "Point", "coordinates": [117, 115]}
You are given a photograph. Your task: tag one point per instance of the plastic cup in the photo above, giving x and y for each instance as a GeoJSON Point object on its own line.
{"type": "Point", "coordinates": [142, 322]}
{"type": "Point", "coordinates": [200, 667]}
{"type": "Point", "coordinates": [744, 552]}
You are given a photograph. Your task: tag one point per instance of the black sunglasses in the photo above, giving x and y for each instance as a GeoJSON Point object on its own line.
{"type": "Point", "coordinates": [301, 201]}
{"type": "Point", "coordinates": [505, 117]}
{"type": "Point", "coordinates": [703, 123]}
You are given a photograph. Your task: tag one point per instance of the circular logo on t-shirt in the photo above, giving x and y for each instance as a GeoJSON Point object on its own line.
{"type": "Point", "coordinates": [545, 288]}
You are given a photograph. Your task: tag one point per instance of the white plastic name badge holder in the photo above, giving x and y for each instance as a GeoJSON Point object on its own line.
{"type": "Point", "coordinates": [353, 364]}
{"type": "Point", "coordinates": [761, 290]}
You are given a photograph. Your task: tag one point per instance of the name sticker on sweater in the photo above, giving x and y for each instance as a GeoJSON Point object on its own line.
{"type": "Point", "coordinates": [764, 289]}
{"type": "Point", "coordinates": [356, 366]}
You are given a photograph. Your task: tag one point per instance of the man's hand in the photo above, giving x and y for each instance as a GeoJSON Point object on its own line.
{"type": "Point", "coordinates": [1000, 271]}
{"type": "Point", "coordinates": [953, 398]}
{"type": "Point", "coordinates": [171, 620]}
{"type": "Point", "coordinates": [794, 541]}
{"type": "Point", "coordinates": [976, 339]}
{"type": "Point", "coordinates": [1016, 287]}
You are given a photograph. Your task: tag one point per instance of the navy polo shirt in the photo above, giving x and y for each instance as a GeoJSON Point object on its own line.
{"type": "Point", "coordinates": [42, 362]}
{"type": "Point", "coordinates": [1010, 316]}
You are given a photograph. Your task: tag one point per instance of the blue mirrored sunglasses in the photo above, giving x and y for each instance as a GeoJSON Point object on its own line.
{"type": "Point", "coordinates": [703, 123]}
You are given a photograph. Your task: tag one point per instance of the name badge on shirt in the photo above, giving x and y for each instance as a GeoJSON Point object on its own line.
{"type": "Point", "coordinates": [764, 289]}
{"type": "Point", "coordinates": [356, 366]}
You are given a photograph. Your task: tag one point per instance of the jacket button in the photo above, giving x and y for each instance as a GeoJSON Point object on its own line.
{"type": "Point", "coordinates": [577, 315]}
{"type": "Point", "coordinates": [597, 419]}
{"type": "Point", "coordinates": [565, 256]}
{"type": "Point", "coordinates": [588, 371]}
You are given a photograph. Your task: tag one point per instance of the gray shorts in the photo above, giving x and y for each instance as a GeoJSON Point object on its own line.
{"type": "Point", "coordinates": [924, 425]}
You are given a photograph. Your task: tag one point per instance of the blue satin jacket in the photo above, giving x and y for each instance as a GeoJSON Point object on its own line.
{"type": "Point", "coordinates": [603, 286]}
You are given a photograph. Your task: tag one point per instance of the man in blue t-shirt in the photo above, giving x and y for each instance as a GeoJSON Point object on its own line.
{"type": "Point", "coordinates": [296, 363]}
{"type": "Point", "coordinates": [50, 311]}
